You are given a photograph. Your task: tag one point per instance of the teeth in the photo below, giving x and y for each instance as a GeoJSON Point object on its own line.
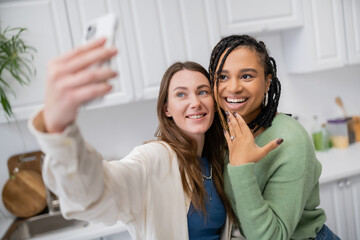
{"type": "Point", "coordinates": [236, 100]}
{"type": "Point", "coordinates": [196, 116]}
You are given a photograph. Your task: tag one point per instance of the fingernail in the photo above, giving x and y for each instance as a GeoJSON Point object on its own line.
{"type": "Point", "coordinates": [224, 132]}
{"type": "Point", "coordinates": [227, 113]}
{"type": "Point", "coordinates": [228, 120]}
{"type": "Point", "coordinates": [100, 39]}
{"type": "Point", "coordinates": [279, 141]}
{"type": "Point", "coordinates": [234, 113]}
{"type": "Point", "coordinates": [113, 50]}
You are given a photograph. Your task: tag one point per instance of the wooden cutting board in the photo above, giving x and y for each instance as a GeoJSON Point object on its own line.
{"type": "Point", "coordinates": [24, 194]}
{"type": "Point", "coordinates": [26, 161]}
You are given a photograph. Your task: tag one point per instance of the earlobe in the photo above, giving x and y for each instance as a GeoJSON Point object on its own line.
{"type": "Point", "coordinates": [166, 111]}
{"type": "Point", "coordinates": [268, 82]}
{"type": "Point", "coordinates": [168, 114]}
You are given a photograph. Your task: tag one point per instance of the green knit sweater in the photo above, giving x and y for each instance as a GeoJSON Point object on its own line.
{"type": "Point", "coordinates": [277, 197]}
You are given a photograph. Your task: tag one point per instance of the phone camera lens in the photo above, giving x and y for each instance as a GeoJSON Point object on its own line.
{"type": "Point", "coordinates": [90, 32]}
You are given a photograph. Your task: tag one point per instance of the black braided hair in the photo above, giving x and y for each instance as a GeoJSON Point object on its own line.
{"type": "Point", "coordinates": [227, 45]}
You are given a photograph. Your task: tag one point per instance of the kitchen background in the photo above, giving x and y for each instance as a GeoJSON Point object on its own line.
{"type": "Point", "coordinates": [316, 45]}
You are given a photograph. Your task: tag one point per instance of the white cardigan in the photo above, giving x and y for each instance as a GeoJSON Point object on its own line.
{"type": "Point", "coordinates": [143, 190]}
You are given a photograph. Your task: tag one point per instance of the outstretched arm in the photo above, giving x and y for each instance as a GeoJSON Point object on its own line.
{"type": "Point", "coordinates": [88, 187]}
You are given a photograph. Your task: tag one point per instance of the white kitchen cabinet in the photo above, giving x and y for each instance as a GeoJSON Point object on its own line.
{"type": "Point", "coordinates": [160, 32]}
{"type": "Point", "coordinates": [48, 31]}
{"type": "Point", "coordinates": [330, 37]}
{"type": "Point", "coordinates": [152, 35]}
{"type": "Point", "coordinates": [340, 200]}
{"type": "Point", "coordinates": [258, 16]}
{"type": "Point", "coordinates": [352, 29]}
{"type": "Point", "coordinates": [80, 12]}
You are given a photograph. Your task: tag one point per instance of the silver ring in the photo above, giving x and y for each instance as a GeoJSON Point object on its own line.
{"type": "Point", "coordinates": [232, 137]}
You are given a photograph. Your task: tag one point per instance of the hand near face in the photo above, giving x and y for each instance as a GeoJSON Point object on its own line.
{"type": "Point", "coordinates": [71, 83]}
{"type": "Point", "coordinates": [241, 143]}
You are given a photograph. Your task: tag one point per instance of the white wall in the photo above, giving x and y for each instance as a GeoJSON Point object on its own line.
{"type": "Point", "coordinates": [114, 131]}
{"type": "Point", "coordinates": [306, 95]}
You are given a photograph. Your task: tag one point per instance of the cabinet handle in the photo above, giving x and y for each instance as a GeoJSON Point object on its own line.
{"type": "Point", "coordinates": [347, 182]}
{"type": "Point", "coordinates": [341, 184]}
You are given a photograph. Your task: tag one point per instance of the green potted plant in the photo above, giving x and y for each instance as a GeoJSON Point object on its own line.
{"type": "Point", "coordinates": [16, 64]}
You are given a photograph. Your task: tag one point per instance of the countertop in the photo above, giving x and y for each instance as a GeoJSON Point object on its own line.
{"type": "Point", "coordinates": [91, 231]}
{"type": "Point", "coordinates": [339, 163]}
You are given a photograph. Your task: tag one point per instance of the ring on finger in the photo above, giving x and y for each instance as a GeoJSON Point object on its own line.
{"type": "Point", "coordinates": [232, 138]}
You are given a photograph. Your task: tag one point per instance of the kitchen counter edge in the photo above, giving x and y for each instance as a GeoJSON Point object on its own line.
{"type": "Point", "coordinates": [338, 163]}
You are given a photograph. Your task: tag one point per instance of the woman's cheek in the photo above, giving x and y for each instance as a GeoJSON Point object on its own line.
{"type": "Point", "coordinates": [222, 103]}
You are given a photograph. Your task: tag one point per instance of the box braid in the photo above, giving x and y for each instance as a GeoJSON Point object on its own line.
{"type": "Point", "coordinates": [228, 44]}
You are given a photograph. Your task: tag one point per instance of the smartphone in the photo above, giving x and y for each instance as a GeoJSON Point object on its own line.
{"type": "Point", "coordinates": [104, 26]}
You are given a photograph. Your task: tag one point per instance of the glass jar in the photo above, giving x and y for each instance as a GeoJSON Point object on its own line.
{"type": "Point", "coordinates": [338, 129]}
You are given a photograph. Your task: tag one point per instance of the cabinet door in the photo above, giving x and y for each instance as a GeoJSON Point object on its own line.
{"type": "Point", "coordinates": [48, 32]}
{"type": "Point", "coordinates": [352, 26]}
{"type": "Point", "coordinates": [333, 202]}
{"type": "Point", "coordinates": [161, 32]}
{"type": "Point", "coordinates": [340, 200]}
{"type": "Point", "coordinates": [320, 43]}
{"type": "Point", "coordinates": [352, 195]}
{"type": "Point", "coordinates": [241, 16]}
{"type": "Point", "coordinates": [80, 12]}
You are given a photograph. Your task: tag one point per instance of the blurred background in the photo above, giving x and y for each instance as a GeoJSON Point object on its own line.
{"type": "Point", "coordinates": [316, 45]}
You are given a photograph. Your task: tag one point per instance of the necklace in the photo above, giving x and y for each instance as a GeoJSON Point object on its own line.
{"type": "Point", "coordinates": [210, 177]}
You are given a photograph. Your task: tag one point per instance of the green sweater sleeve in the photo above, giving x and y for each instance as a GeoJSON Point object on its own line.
{"type": "Point", "coordinates": [277, 197]}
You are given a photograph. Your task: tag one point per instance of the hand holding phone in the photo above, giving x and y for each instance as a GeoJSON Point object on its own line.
{"type": "Point", "coordinates": [104, 26]}
{"type": "Point", "coordinates": [72, 82]}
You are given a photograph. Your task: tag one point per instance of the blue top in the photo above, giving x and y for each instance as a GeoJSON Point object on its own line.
{"type": "Point", "coordinates": [207, 227]}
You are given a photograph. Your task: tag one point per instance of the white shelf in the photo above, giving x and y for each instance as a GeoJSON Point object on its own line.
{"type": "Point", "coordinates": [339, 163]}
{"type": "Point", "coordinates": [92, 231]}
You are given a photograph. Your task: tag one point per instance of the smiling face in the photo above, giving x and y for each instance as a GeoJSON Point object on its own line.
{"type": "Point", "coordinates": [190, 103]}
{"type": "Point", "coordinates": [242, 83]}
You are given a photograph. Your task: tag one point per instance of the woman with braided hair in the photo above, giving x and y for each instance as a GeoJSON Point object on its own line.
{"type": "Point", "coordinates": [275, 195]}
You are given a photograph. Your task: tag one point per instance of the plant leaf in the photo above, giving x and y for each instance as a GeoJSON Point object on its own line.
{"type": "Point", "coordinates": [16, 59]}
{"type": "Point", "coordinates": [5, 103]}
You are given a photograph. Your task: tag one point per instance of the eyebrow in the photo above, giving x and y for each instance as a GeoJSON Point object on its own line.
{"type": "Point", "coordinates": [185, 88]}
{"type": "Point", "coordinates": [242, 70]}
